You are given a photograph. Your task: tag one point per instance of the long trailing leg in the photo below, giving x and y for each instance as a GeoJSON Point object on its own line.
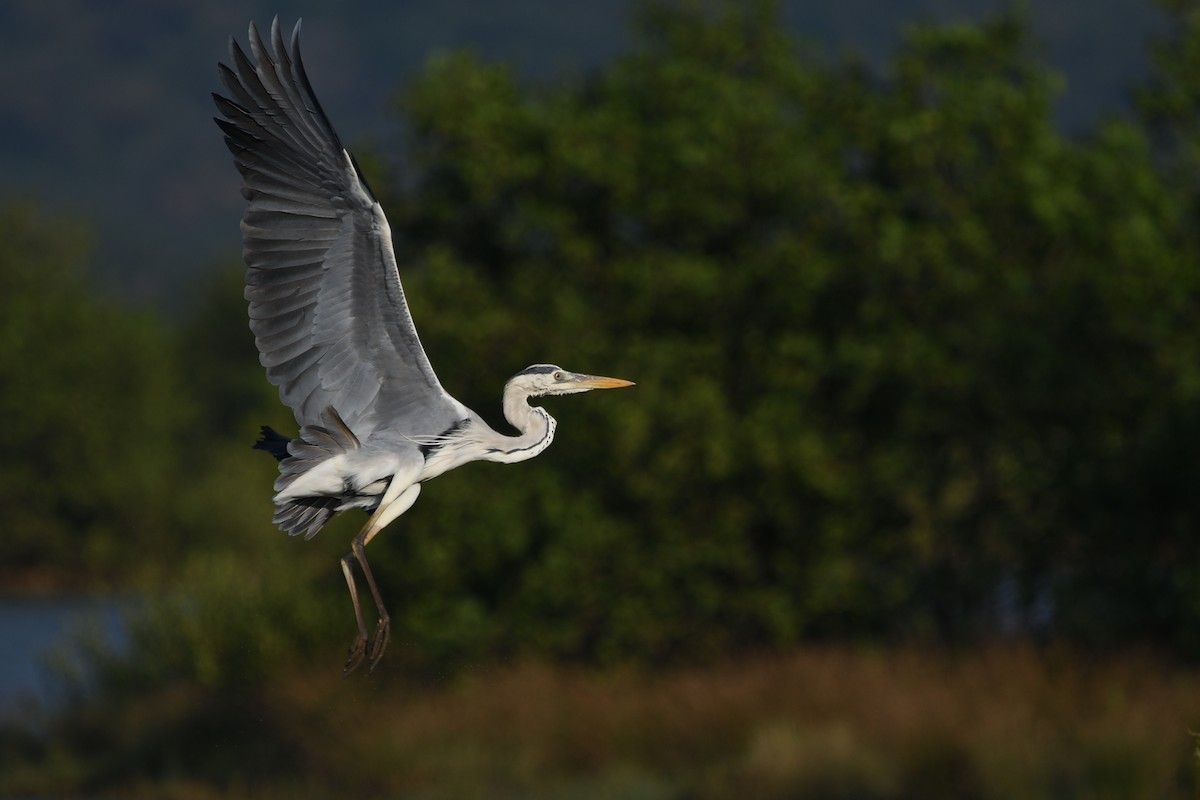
{"type": "Point", "coordinates": [393, 505]}
{"type": "Point", "coordinates": [383, 627]}
{"type": "Point", "coordinates": [358, 647]}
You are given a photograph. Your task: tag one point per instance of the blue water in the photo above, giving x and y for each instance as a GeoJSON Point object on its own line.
{"type": "Point", "coordinates": [34, 631]}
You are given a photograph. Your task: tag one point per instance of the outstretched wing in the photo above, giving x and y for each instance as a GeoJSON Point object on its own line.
{"type": "Point", "coordinates": [326, 305]}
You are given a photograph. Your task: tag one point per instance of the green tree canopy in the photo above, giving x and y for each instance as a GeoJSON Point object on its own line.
{"type": "Point", "coordinates": [910, 362]}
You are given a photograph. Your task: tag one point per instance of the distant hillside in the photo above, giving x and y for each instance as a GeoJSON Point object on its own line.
{"type": "Point", "coordinates": [105, 110]}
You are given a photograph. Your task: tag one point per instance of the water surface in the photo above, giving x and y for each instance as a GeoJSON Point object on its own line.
{"type": "Point", "coordinates": [33, 629]}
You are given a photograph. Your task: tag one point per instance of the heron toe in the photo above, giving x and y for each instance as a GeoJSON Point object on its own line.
{"type": "Point", "coordinates": [379, 642]}
{"type": "Point", "coordinates": [358, 648]}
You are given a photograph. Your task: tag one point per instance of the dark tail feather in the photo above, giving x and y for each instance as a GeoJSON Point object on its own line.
{"type": "Point", "coordinates": [273, 442]}
{"type": "Point", "coordinates": [316, 443]}
{"type": "Point", "coordinates": [305, 515]}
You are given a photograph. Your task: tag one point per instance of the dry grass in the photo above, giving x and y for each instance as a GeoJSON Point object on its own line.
{"type": "Point", "coordinates": [999, 723]}
{"type": "Point", "coordinates": [820, 723]}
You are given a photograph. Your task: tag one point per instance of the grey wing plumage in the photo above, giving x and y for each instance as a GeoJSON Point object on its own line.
{"type": "Point", "coordinates": [326, 304]}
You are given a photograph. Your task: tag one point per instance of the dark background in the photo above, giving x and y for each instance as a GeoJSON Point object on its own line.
{"type": "Point", "coordinates": [104, 107]}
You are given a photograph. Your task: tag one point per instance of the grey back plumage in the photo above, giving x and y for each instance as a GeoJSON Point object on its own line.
{"type": "Point", "coordinates": [327, 308]}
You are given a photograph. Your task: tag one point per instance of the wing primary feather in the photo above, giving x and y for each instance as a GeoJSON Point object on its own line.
{"type": "Point", "coordinates": [270, 68]}
{"type": "Point", "coordinates": [253, 77]}
{"type": "Point", "coordinates": [318, 131]}
{"type": "Point", "coordinates": [300, 77]}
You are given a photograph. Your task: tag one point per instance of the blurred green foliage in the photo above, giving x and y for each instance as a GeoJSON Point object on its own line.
{"type": "Point", "coordinates": [91, 401]}
{"type": "Point", "coordinates": [910, 362]}
{"type": "Point", "coordinates": [911, 365]}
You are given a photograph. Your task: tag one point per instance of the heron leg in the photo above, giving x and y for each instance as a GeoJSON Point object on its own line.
{"type": "Point", "coordinates": [393, 505]}
{"type": "Point", "coordinates": [379, 639]}
{"type": "Point", "coordinates": [358, 647]}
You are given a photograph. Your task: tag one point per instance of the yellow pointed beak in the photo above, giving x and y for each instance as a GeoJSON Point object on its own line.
{"type": "Point", "coordinates": [599, 382]}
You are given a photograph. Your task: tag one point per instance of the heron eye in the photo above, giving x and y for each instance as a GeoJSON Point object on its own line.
{"type": "Point", "coordinates": [558, 376]}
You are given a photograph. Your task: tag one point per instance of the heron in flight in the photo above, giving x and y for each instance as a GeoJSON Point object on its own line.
{"type": "Point", "coordinates": [334, 331]}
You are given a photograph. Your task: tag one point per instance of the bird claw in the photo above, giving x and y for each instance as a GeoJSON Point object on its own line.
{"type": "Point", "coordinates": [358, 649]}
{"type": "Point", "coordinates": [379, 642]}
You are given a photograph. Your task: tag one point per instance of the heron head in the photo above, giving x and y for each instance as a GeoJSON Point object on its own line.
{"type": "Point", "coordinates": [542, 380]}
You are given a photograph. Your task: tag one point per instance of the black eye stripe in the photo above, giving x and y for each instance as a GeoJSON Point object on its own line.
{"type": "Point", "coordinates": [540, 369]}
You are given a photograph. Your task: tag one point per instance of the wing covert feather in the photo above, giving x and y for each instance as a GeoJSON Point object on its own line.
{"type": "Point", "coordinates": [326, 304]}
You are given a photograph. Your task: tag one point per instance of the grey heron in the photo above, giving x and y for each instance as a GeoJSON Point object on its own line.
{"type": "Point", "coordinates": [334, 332]}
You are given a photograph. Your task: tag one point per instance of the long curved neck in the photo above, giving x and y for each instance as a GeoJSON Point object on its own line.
{"type": "Point", "coordinates": [535, 429]}
{"type": "Point", "coordinates": [476, 441]}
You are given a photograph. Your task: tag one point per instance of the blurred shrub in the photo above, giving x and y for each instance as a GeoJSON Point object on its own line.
{"type": "Point", "coordinates": [92, 407]}
{"type": "Point", "coordinates": [228, 623]}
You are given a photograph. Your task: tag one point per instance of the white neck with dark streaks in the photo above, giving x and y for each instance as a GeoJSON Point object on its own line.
{"type": "Point", "coordinates": [535, 429]}
{"type": "Point", "coordinates": [478, 442]}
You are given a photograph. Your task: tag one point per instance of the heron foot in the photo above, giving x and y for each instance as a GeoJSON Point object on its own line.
{"type": "Point", "coordinates": [358, 648]}
{"type": "Point", "coordinates": [379, 642]}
